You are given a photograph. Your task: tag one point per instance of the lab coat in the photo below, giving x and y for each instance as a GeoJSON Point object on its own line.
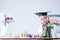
{"type": "Point", "coordinates": [55, 32]}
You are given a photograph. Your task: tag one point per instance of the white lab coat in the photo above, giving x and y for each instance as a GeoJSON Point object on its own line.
{"type": "Point", "coordinates": [54, 32]}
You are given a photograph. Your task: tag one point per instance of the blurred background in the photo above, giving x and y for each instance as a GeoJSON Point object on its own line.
{"type": "Point", "coordinates": [22, 12]}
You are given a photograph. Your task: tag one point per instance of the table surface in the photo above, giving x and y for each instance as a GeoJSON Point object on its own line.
{"type": "Point", "coordinates": [28, 39]}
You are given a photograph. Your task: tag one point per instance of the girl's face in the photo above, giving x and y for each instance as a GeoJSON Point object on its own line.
{"type": "Point", "coordinates": [44, 19]}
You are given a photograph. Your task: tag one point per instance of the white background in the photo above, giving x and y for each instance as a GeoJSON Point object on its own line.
{"type": "Point", "coordinates": [23, 13]}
